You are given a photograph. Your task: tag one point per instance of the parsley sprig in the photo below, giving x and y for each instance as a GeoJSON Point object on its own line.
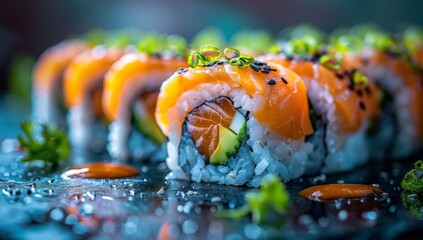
{"type": "Point", "coordinates": [272, 198]}
{"type": "Point", "coordinates": [44, 143]}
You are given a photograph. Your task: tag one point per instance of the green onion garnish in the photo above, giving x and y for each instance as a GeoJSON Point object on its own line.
{"type": "Point", "coordinates": [231, 53]}
{"type": "Point", "coordinates": [330, 62]}
{"type": "Point", "coordinates": [236, 58]}
{"type": "Point", "coordinates": [210, 53]}
{"type": "Point", "coordinates": [194, 59]}
{"type": "Point", "coordinates": [360, 79]}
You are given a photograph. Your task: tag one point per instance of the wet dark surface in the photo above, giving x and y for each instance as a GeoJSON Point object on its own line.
{"type": "Point", "coordinates": [34, 205]}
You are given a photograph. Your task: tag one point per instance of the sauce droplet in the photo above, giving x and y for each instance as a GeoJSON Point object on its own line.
{"type": "Point", "coordinates": [328, 192]}
{"type": "Point", "coordinates": [100, 170]}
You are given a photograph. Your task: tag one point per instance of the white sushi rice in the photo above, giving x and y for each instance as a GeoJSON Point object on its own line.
{"type": "Point", "coordinates": [45, 107]}
{"type": "Point", "coordinates": [262, 153]}
{"type": "Point", "coordinates": [406, 137]}
{"type": "Point", "coordinates": [86, 132]}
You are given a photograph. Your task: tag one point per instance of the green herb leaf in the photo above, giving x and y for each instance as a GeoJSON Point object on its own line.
{"type": "Point", "coordinates": [330, 62]}
{"type": "Point", "coordinates": [414, 202]}
{"type": "Point", "coordinates": [44, 143]}
{"type": "Point", "coordinates": [359, 78]}
{"type": "Point", "coordinates": [413, 180]}
{"type": "Point", "coordinates": [272, 198]}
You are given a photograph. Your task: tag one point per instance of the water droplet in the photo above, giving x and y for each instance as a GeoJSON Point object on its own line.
{"type": "Point", "coordinates": [129, 184]}
{"type": "Point", "coordinates": [191, 193]}
{"type": "Point", "coordinates": [5, 192]}
{"type": "Point", "coordinates": [161, 191]}
{"type": "Point", "coordinates": [130, 227]}
{"type": "Point", "coordinates": [50, 181]}
{"type": "Point", "coordinates": [180, 208]}
{"type": "Point", "coordinates": [323, 222]}
{"type": "Point", "coordinates": [113, 186]}
{"type": "Point", "coordinates": [48, 191]}
{"type": "Point", "coordinates": [342, 215]}
{"type": "Point", "coordinates": [71, 219]}
{"type": "Point", "coordinates": [57, 214]}
{"type": "Point", "coordinates": [252, 231]}
{"type": "Point", "coordinates": [393, 209]}
{"type": "Point", "coordinates": [189, 227]}
{"type": "Point", "coordinates": [216, 199]}
{"type": "Point", "coordinates": [158, 211]}
{"type": "Point", "coordinates": [370, 215]}
{"type": "Point", "coordinates": [188, 206]}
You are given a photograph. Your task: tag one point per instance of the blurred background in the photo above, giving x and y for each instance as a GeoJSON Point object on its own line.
{"type": "Point", "coordinates": [29, 27]}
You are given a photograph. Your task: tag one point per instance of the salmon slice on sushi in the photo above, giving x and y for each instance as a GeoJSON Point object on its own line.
{"type": "Point", "coordinates": [129, 98]}
{"type": "Point", "coordinates": [228, 123]}
{"type": "Point", "coordinates": [83, 87]}
{"type": "Point", "coordinates": [48, 78]}
{"type": "Point", "coordinates": [342, 102]}
{"type": "Point", "coordinates": [398, 128]}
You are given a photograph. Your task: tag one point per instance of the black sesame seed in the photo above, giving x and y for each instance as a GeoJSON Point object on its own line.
{"type": "Point", "coordinates": [265, 71]}
{"type": "Point", "coordinates": [255, 67]}
{"type": "Point", "coordinates": [284, 80]}
{"type": "Point", "coordinates": [339, 76]}
{"type": "Point", "coordinates": [351, 87]}
{"type": "Point", "coordinates": [362, 106]}
{"type": "Point", "coordinates": [210, 64]}
{"type": "Point", "coordinates": [259, 63]}
{"type": "Point", "coordinates": [271, 82]}
{"type": "Point", "coordinates": [272, 69]}
{"type": "Point", "coordinates": [360, 93]}
{"type": "Point", "coordinates": [267, 68]}
{"type": "Point", "coordinates": [220, 62]}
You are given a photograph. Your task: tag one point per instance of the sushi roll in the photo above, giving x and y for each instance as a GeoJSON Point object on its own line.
{"type": "Point", "coordinates": [342, 102]}
{"type": "Point", "coordinates": [397, 130]}
{"type": "Point", "coordinates": [83, 86]}
{"type": "Point", "coordinates": [48, 79]}
{"type": "Point", "coordinates": [230, 123]}
{"type": "Point", "coordinates": [129, 97]}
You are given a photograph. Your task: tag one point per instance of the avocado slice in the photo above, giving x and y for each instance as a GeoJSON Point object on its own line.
{"type": "Point", "coordinates": [229, 140]}
{"type": "Point", "coordinates": [148, 126]}
{"type": "Point", "coordinates": [146, 123]}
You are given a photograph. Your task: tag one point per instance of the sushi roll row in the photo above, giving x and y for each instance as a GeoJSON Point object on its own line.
{"type": "Point", "coordinates": [308, 104]}
{"type": "Point", "coordinates": [104, 91]}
